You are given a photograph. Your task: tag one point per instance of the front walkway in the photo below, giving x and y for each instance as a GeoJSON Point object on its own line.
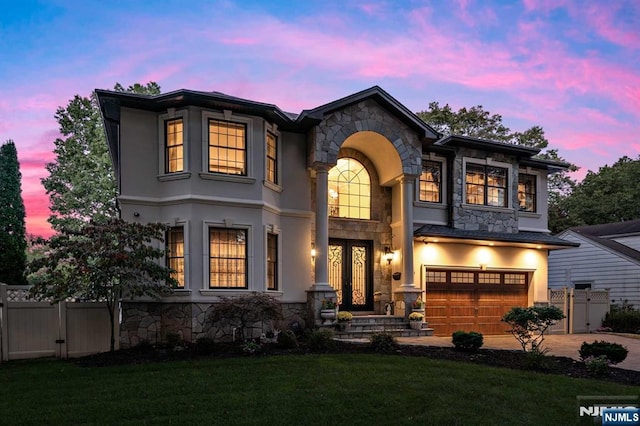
{"type": "Point", "coordinates": [558, 344]}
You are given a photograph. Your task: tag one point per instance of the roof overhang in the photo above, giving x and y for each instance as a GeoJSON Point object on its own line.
{"type": "Point", "coordinates": [487, 145]}
{"type": "Point", "coordinates": [524, 239]}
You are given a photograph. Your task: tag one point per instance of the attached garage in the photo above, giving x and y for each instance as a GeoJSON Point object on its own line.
{"type": "Point", "coordinates": [472, 300]}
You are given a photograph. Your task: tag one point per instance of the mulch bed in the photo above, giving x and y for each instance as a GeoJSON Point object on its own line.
{"type": "Point", "coordinates": [492, 357]}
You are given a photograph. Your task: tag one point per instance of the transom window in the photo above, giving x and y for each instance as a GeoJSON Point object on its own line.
{"type": "Point", "coordinates": [349, 190]}
{"type": "Point", "coordinates": [175, 253]}
{"type": "Point", "coordinates": [174, 137]}
{"type": "Point", "coordinates": [272, 262]}
{"type": "Point", "coordinates": [446, 278]}
{"type": "Point", "coordinates": [527, 192]}
{"type": "Point", "coordinates": [227, 147]}
{"type": "Point", "coordinates": [227, 258]}
{"type": "Point", "coordinates": [486, 185]}
{"type": "Point", "coordinates": [272, 158]}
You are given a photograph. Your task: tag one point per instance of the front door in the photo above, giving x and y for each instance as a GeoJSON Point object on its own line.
{"type": "Point", "coordinates": [351, 272]}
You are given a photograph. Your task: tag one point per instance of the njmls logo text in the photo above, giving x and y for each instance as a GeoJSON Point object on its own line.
{"type": "Point", "coordinates": [609, 410]}
{"type": "Point", "coordinates": [596, 411]}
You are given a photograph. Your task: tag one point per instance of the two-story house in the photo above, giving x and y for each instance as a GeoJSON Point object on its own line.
{"type": "Point", "coordinates": [357, 199]}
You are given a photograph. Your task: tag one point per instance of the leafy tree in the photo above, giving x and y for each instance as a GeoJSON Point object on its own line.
{"type": "Point", "coordinates": [13, 244]}
{"type": "Point", "coordinates": [528, 325]}
{"type": "Point", "coordinates": [81, 183]}
{"type": "Point", "coordinates": [610, 195]}
{"type": "Point", "coordinates": [103, 262]}
{"type": "Point", "coordinates": [478, 123]}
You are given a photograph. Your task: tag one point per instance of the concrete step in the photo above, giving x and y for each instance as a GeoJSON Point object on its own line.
{"type": "Point", "coordinates": [397, 332]}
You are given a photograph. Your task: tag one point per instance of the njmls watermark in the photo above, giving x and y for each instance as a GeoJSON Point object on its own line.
{"type": "Point", "coordinates": [608, 410]}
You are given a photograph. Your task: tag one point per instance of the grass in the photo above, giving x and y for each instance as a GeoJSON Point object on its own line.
{"type": "Point", "coordinates": [290, 390]}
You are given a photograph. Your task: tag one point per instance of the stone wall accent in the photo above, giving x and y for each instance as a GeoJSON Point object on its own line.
{"type": "Point", "coordinates": [328, 136]}
{"type": "Point", "coordinates": [483, 218]}
{"type": "Point", "coordinates": [151, 322]}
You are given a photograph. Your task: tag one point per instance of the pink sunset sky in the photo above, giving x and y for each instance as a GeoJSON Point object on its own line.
{"type": "Point", "coordinates": [572, 67]}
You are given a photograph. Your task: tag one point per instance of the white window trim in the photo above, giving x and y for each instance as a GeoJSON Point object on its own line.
{"type": "Point", "coordinates": [273, 229]}
{"type": "Point", "coordinates": [185, 231]}
{"type": "Point", "coordinates": [443, 183]}
{"type": "Point", "coordinates": [273, 129]}
{"type": "Point", "coordinates": [536, 213]}
{"type": "Point", "coordinates": [172, 114]}
{"type": "Point", "coordinates": [229, 224]}
{"type": "Point", "coordinates": [233, 118]}
{"type": "Point", "coordinates": [487, 162]}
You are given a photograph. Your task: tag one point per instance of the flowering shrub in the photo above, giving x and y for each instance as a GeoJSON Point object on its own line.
{"type": "Point", "coordinates": [344, 316]}
{"type": "Point", "coordinates": [415, 316]}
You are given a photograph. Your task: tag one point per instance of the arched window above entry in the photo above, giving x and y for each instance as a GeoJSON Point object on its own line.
{"type": "Point", "coordinates": [349, 190]}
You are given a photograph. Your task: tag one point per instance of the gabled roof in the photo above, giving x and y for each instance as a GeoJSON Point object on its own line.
{"type": "Point", "coordinates": [381, 97]}
{"type": "Point", "coordinates": [488, 145]}
{"type": "Point", "coordinates": [618, 229]}
{"type": "Point", "coordinates": [610, 245]}
{"type": "Point", "coordinates": [523, 238]}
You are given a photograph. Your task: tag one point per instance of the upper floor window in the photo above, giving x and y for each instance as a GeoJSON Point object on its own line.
{"type": "Point", "coordinates": [228, 258]}
{"type": "Point", "coordinates": [431, 182]}
{"type": "Point", "coordinates": [227, 147]}
{"type": "Point", "coordinates": [175, 253]}
{"type": "Point", "coordinates": [174, 137]}
{"type": "Point", "coordinates": [272, 261]}
{"type": "Point", "coordinates": [272, 158]}
{"type": "Point", "coordinates": [527, 192]}
{"type": "Point", "coordinates": [349, 190]}
{"type": "Point", "coordinates": [486, 185]}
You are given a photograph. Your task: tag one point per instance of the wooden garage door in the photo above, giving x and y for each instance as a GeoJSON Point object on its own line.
{"type": "Point", "coordinates": [472, 300]}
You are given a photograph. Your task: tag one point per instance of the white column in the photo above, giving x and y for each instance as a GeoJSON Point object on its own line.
{"type": "Point", "coordinates": [407, 232]}
{"type": "Point", "coordinates": [322, 229]}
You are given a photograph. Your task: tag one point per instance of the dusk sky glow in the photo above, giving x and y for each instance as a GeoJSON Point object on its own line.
{"type": "Point", "coordinates": [570, 66]}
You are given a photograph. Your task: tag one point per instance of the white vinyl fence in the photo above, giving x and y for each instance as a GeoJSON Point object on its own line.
{"type": "Point", "coordinates": [32, 329]}
{"type": "Point", "coordinates": [584, 309]}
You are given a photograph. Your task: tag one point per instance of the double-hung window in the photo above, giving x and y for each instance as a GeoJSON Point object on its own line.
{"type": "Point", "coordinates": [527, 192]}
{"type": "Point", "coordinates": [272, 261]}
{"type": "Point", "coordinates": [227, 147]}
{"type": "Point", "coordinates": [228, 262]}
{"type": "Point", "coordinates": [175, 253]}
{"type": "Point", "coordinates": [174, 149]}
{"type": "Point", "coordinates": [431, 182]}
{"type": "Point", "coordinates": [486, 185]}
{"type": "Point", "coordinates": [272, 158]}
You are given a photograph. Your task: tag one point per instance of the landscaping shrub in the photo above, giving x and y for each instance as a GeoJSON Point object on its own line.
{"type": "Point", "coordinates": [614, 352]}
{"type": "Point", "coordinates": [528, 325]}
{"type": "Point", "coordinates": [204, 346]}
{"type": "Point", "coordinates": [321, 340]}
{"type": "Point", "coordinates": [383, 342]}
{"type": "Point", "coordinates": [469, 342]}
{"type": "Point", "coordinates": [244, 313]}
{"type": "Point", "coordinates": [536, 359]}
{"type": "Point", "coordinates": [622, 321]}
{"type": "Point", "coordinates": [251, 348]}
{"type": "Point", "coordinates": [597, 366]}
{"type": "Point", "coordinates": [287, 339]}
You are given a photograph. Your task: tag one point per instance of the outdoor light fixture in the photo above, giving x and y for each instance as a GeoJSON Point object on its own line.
{"type": "Point", "coordinates": [313, 251]}
{"type": "Point", "coordinates": [388, 255]}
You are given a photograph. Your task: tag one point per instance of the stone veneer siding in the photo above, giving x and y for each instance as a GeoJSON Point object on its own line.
{"type": "Point", "coordinates": [151, 322]}
{"type": "Point", "coordinates": [484, 218]}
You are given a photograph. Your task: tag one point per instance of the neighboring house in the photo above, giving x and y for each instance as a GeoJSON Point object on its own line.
{"type": "Point", "coordinates": [608, 258]}
{"type": "Point", "coordinates": [355, 197]}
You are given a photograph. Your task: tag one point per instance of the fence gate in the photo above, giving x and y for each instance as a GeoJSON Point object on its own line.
{"type": "Point", "coordinates": [584, 308]}
{"type": "Point", "coordinates": [32, 329]}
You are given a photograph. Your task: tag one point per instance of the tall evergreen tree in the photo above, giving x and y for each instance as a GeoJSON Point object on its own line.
{"type": "Point", "coordinates": [13, 243]}
{"type": "Point", "coordinates": [81, 183]}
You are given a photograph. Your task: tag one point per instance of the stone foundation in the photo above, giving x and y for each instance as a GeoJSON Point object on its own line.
{"type": "Point", "coordinates": [152, 322]}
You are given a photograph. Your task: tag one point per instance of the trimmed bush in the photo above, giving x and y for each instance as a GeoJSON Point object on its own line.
{"type": "Point", "coordinates": [383, 342]}
{"type": "Point", "coordinates": [287, 339]}
{"type": "Point", "coordinates": [614, 352]}
{"type": "Point", "coordinates": [597, 366]}
{"type": "Point", "coordinates": [468, 342]}
{"type": "Point", "coordinates": [321, 340]}
{"type": "Point", "coordinates": [622, 321]}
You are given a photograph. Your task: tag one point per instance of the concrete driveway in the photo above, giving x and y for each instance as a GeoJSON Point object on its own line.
{"type": "Point", "coordinates": [558, 344]}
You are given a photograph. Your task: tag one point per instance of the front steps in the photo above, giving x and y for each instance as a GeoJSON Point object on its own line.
{"type": "Point", "coordinates": [363, 326]}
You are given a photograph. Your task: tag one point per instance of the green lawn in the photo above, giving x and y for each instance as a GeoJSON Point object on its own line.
{"type": "Point", "coordinates": [290, 390]}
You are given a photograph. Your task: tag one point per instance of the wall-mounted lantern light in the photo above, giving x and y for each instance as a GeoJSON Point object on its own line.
{"type": "Point", "coordinates": [313, 252]}
{"type": "Point", "coordinates": [388, 255]}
